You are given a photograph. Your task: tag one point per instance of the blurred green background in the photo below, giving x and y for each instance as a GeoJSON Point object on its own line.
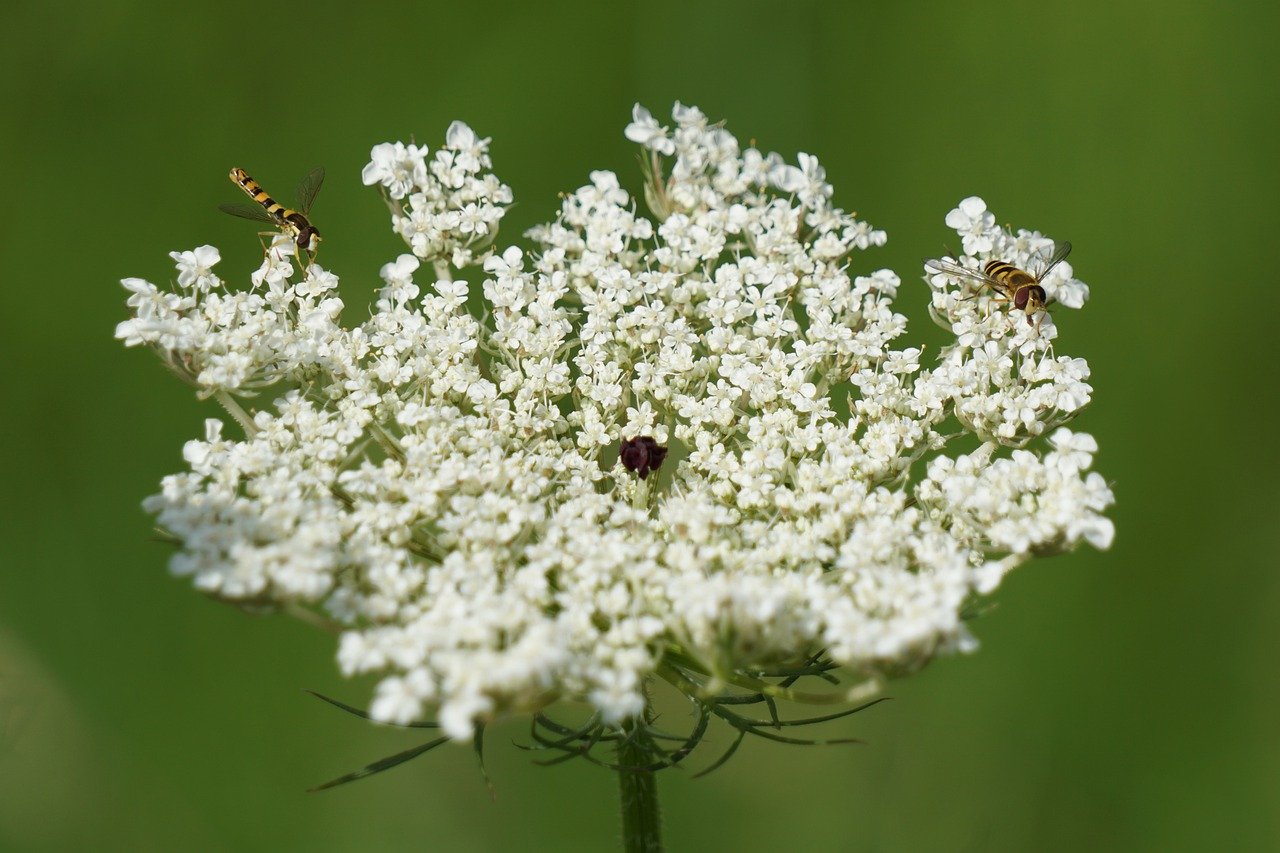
{"type": "Point", "coordinates": [1122, 701]}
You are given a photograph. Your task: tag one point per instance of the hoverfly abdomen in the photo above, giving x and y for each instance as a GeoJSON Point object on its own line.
{"type": "Point", "coordinates": [1011, 276]}
{"type": "Point", "coordinates": [255, 191]}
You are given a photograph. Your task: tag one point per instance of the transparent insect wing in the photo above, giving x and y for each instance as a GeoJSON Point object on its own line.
{"type": "Point", "coordinates": [309, 188]}
{"type": "Point", "coordinates": [943, 266]}
{"type": "Point", "coordinates": [1060, 253]}
{"type": "Point", "coordinates": [256, 212]}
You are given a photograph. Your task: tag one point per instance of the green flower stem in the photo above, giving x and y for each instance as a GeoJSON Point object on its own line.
{"type": "Point", "coordinates": [233, 408]}
{"type": "Point", "coordinates": [638, 787]}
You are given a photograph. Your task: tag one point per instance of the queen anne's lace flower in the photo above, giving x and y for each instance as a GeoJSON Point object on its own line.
{"type": "Point", "coordinates": [444, 480]}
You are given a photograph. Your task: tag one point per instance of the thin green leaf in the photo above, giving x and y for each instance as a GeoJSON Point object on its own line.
{"type": "Point", "coordinates": [754, 727]}
{"type": "Point", "coordinates": [478, 744]}
{"type": "Point", "coordinates": [695, 737]}
{"type": "Point", "coordinates": [425, 724]}
{"type": "Point", "coordinates": [381, 765]}
{"type": "Point", "coordinates": [837, 715]}
{"type": "Point", "coordinates": [590, 731]}
{"type": "Point", "coordinates": [728, 753]}
{"type": "Point", "coordinates": [773, 711]}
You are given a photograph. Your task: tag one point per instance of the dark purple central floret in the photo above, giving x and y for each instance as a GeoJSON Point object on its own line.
{"type": "Point", "coordinates": [642, 455]}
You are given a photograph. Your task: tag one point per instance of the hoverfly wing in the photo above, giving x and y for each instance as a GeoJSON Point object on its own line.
{"type": "Point", "coordinates": [308, 188]}
{"type": "Point", "coordinates": [256, 212]}
{"type": "Point", "coordinates": [1059, 255]}
{"type": "Point", "coordinates": [941, 266]}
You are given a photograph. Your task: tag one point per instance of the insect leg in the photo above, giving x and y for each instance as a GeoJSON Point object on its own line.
{"type": "Point", "coordinates": [263, 241]}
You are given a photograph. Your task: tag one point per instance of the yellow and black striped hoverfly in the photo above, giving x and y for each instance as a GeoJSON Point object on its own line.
{"type": "Point", "coordinates": [291, 222]}
{"type": "Point", "coordinates": [1010, 283]}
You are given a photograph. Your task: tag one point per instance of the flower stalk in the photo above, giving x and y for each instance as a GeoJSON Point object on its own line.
{"type": "Point", "coordinates": [638, 795]}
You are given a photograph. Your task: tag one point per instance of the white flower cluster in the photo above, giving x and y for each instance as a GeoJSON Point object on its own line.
{"type": "Point", "coordinates": [448, 208]}
{"type": "Point", "coordinates": [1001, 375]}
{"type": "Point", "coordinates": [235, 341]}
{"type": "Point", "coordinates": [446, 482]}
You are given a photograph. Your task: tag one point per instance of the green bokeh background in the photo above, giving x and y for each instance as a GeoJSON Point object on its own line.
{"type": "Point", "coordinates": [1122, 701]}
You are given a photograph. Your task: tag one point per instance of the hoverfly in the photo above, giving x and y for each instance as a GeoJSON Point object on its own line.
{"type": "Point", "coordinates": [292, 222]}
{"type": "Point", "coordinates": [1012, 284]}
